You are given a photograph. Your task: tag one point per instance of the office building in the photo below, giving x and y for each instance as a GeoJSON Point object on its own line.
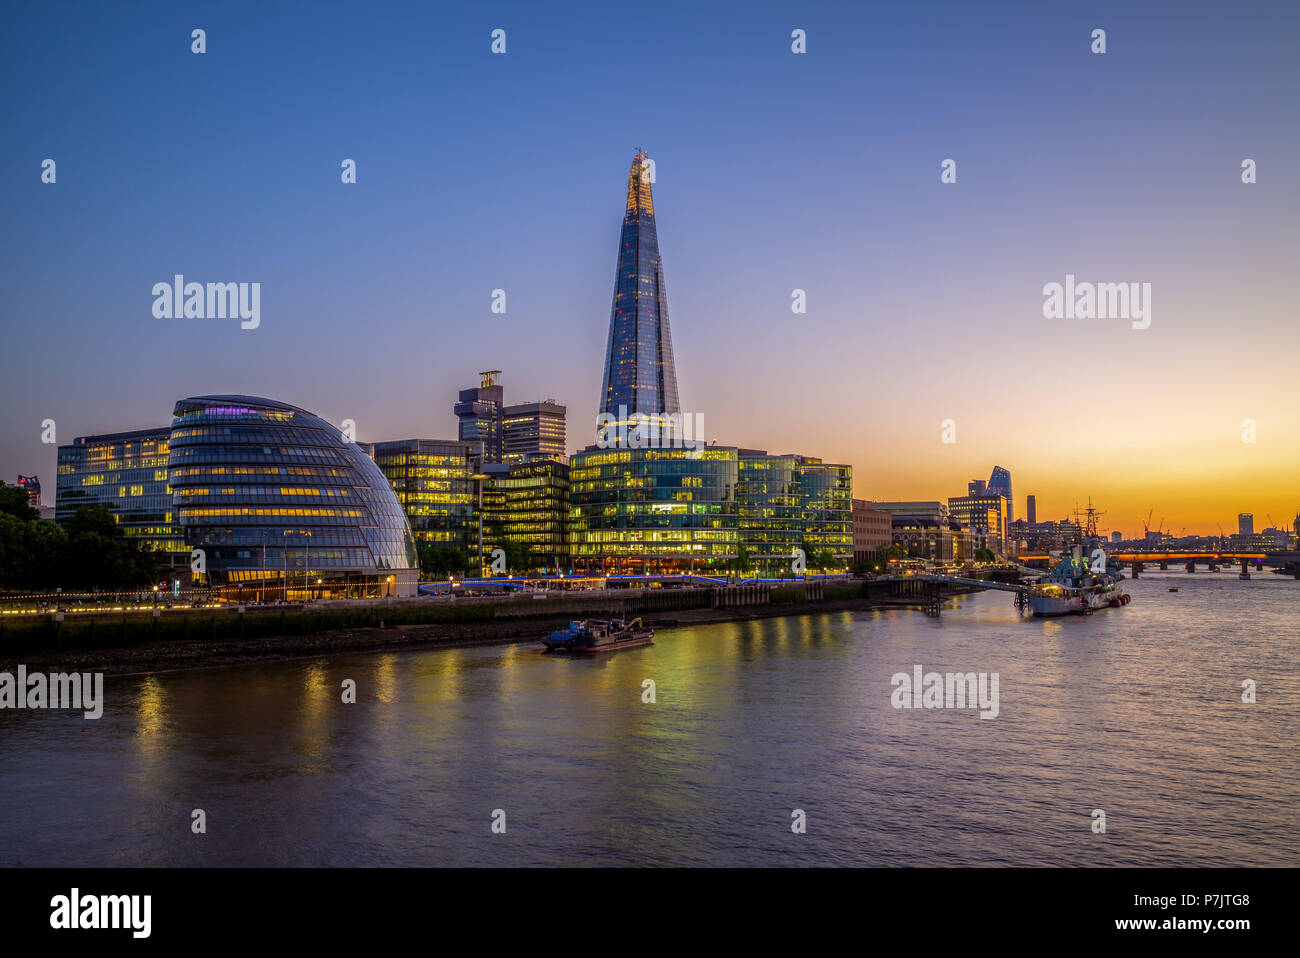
{"type": "Point", "coordinates": [983, 514]}
{"type": "Point", "coordinates": [278, 500]}
{"type": "Point", "coordinates": [434, 481]}
{"type": "Point", "coordinates": [479, 411]}
{"type": "Point", "coordinates": [33, 486]}
{"type": "Point", "coordinates": [510, 434]}
{"type": "Point", "coordinates": [127, 472]}
{"type": "Point", "coordinates": [528, 503]}
{"type": "Point", "coordinates": [1000, 483]}
{"type": "Point", "coordinates": [872, 529]}
{"type": "Point", "coordinates": [533, 430]}
{"type": "Point", "coordinates": [640, 375]}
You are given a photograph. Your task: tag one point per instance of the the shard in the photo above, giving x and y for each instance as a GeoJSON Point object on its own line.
{"type": "Point", "coordinates": [640, 376]}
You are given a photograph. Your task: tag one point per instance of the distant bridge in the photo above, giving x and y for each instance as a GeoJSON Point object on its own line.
{"type": "Point", "coordinates": [1288, 560]}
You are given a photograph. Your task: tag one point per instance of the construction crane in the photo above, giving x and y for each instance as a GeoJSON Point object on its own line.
{"type": "Point", "coordinates": [1146, 523]}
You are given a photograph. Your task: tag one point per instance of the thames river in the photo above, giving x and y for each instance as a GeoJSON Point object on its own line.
{"type": "Point", "coordinates": [1135, 713]}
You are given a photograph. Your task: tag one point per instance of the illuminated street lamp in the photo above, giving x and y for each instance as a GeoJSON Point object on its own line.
{"type": "Point", "coordinates": [480, 476]}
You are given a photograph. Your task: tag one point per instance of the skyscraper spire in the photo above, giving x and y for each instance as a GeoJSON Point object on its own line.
{"type": "Point", "coordinates": [640, 375]}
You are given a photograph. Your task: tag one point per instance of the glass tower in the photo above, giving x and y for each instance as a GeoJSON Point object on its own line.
{"type": "Point", "coordinates": [1000, 482]}
{"type": "Point", "coordinates": [639, 376]}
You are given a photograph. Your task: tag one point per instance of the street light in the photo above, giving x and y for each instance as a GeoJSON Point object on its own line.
{"type": "Point", "coordinates": [479, 477]}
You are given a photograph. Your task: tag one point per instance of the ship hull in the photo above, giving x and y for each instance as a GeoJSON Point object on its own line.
{"type": "Point", "coordinates": [579, 639]}
{"type": "Point", "coordinates": [1077, 603]}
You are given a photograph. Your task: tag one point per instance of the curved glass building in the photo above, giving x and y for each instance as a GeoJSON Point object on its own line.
{"type": "Point", "coordinates": [282, 505]}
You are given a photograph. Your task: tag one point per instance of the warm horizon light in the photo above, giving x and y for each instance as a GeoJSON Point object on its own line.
{"type": "Point", "coordinates": [814, 173]}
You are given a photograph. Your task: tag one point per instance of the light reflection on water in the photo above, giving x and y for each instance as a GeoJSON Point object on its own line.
{"type": "Point", "coordinates": [1135, 711]}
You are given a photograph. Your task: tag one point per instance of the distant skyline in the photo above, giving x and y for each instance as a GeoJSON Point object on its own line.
{"type": "Point", "coordinates": [774, 172]}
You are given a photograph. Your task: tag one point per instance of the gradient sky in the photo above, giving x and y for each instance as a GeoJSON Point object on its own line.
{"type": "Point", "coordinates": [774, 171]}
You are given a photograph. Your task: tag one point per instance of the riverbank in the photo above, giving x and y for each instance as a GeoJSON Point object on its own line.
{"type": "Point", "coordinates": [198, 653]}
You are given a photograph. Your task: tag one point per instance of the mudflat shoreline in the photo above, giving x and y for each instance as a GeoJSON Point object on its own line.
{"type": "Point", "coordinates": [172, 655]}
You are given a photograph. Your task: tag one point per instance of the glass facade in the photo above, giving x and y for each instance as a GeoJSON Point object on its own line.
{"type": "Point", "coordinates": [126, 471]}
{"type": "Point", "coordinates": [1000, 483]}
{"type": "Point", "coordinates": [478, 412]}
{"type": "Point", "coordinates": [434, 482]}
{"type": "Point", "coordinates": [655, 510]}
{"type": "Point", "coordinates": [788, 502]}
{"type": "Point", "coordinates": [271, 491]}
{"type": "Point", "coordinates": [640, 374]}
{"type": "Point", "coordinates": [984, 517]}
{"type": "Point", "coordinates": [530, 505]}
{"type": "Point", "coordinates": [533, 430]}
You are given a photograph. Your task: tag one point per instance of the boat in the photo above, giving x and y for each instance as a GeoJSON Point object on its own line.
{"type": "Point", "coordinates": [1076, 586]}
{"type": "Point", "coordinates": [592, 636]}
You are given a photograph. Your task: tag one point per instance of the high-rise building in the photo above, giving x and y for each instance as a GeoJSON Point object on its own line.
{"type": "Point", "coordinates": [640, 375]}
{"type": "Point", "coordinates": [672, 508]}
{"type": "Point", "coordinates": [1031, 508]}
{"type": "Point", "coordinates": [127, 472]}
{"type": "Point", "coordinates": [529, 504]}
{"type": "Point", "coordinates": [508, 434]}
{"type": "Point", "coordinates": [983, 514]}
{"type": "Point", "coordinates": [434, 482]}
{"type": "Point", "coordinates": [1000, 483]}
{"type": "Point", "coordinates": [1246, 524]}
{"type": "Point", "coordinates": [479, 411]}
{"type": "Point", "coordinates": [33, 486]}
{"type": "Point", "coordinates": [533, 430]}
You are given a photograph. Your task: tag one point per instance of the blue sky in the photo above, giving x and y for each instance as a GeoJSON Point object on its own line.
{"type": "Point", "coordinates": [774, 171]}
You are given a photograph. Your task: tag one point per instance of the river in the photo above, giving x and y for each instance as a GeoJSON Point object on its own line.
{"type": "Point", "coordinates": [1136, 712]}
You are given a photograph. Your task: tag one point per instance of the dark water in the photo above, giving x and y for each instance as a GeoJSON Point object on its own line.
{"type": "Point", "coordinates": [1136, 711]}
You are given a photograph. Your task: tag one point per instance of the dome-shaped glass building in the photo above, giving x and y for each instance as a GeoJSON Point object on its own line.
{"type": "Point", "coordinates": [282, 505]}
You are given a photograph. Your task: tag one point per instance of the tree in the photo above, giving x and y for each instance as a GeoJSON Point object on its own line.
{"type": "Point", "coordinates": [439, 559]}
{"type": "Point", "coordinates": [15, 502]}
{"type": "Point", "coordinates": [87, 552]}
{"type": "Point", "coordinates": [743, 561]}
{"type": "Point", "coordinates": [519, 555]}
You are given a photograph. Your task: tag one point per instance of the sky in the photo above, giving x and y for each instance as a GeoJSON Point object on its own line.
{"type": "Point", "coordinates": [775, 171]}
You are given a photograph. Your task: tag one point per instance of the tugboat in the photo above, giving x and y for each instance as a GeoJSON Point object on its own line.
{"type": "Point", "coordinates": [1076, 586]}
{"type": "Point", "coordinates": [590, 636]}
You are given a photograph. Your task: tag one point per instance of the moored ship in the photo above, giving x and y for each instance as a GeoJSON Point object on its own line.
{"type": "Point", "coordinates": [1076, 586]}
{"type": "Point", "coordinates": [591, 636]}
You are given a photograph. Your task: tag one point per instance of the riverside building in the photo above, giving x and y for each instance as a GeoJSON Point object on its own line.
{"type": "Point", "coordinates": [281, 505]}
{"type": "Point", "coordinates": [127, 472]}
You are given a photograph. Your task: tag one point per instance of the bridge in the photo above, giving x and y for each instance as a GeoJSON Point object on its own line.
{"type": "Point", "coordinates": [1288, 560]}
{"type": "Point", "coordinates": [926, 589]}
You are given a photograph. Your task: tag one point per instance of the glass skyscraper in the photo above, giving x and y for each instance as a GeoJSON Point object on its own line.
{"type": "Point", "coordinates": [1000, 482]}
{"type": "Point", "coordinates": [639, 376]}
